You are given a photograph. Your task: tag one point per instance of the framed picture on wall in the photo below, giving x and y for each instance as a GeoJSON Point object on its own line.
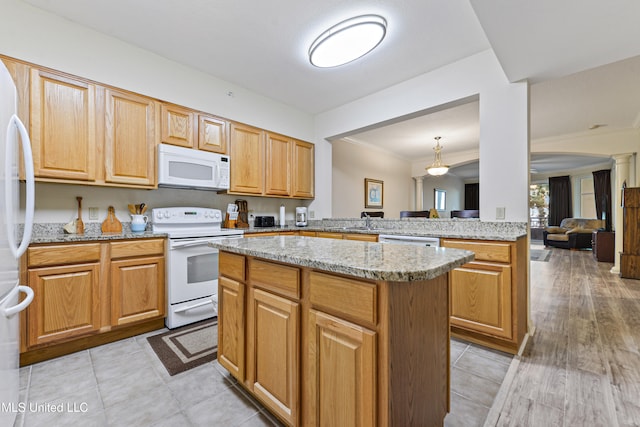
{"type": "Point", "coordinates": [373, 193]}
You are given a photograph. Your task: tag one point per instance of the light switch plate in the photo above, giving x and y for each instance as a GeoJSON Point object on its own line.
{"type": "Point", "coordinates": [500, 213]}
{"type": "Point", "coordinates": [93, 214]}
{"type": "Point", "coordinates": [312, 214]}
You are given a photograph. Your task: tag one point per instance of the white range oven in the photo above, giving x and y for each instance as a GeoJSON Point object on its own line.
{"type": "Point", "coordinates": [192, 265]}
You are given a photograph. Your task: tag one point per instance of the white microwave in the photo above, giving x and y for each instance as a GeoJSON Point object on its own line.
{"type": "Point", "coordinates": [180, 167]}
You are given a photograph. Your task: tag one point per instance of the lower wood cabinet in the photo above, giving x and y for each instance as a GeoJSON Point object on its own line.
{"type": "Point", "coordinates": [137, 289]}
{"type": "Point", "coordinates": [231, 326]}
{"type": "Point", "coordinates": [321, 349]}
{"type": "Point", "coordinates": [273, 352]}
{"type": "Point", "coordinates": [338, 346]}
{"type": "Point", "coordinates": [65, 303]}
{"type": "Point", "coordinates": [86, 291]}
{"type": "Point", "coordinates": [489, 295]}
{"type": "Point", "coordinates": [481, 298]}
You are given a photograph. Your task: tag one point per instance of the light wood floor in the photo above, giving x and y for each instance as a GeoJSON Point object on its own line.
{"type": "Point", "coordinates": [582, 366]}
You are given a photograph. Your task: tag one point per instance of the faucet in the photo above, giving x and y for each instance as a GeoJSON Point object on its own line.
{"type": "Point", "coordinates": [367, 220]}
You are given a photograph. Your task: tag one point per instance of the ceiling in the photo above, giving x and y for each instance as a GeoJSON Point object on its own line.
{"type": "Point", "coordinates": [262, 46]}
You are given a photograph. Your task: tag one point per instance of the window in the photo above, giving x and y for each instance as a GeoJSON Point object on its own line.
{"type": "Point", "coordinates": [538, 205]}
{"type": "Point", "coordinates": [439, 199]}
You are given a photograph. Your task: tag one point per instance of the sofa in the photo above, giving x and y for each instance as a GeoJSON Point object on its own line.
{"type": "Point", "coordinates": [572, 233]}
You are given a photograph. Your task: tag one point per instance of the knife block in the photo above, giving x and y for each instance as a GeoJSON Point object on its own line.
{"type": "Point", "coordinates": [229, 223]}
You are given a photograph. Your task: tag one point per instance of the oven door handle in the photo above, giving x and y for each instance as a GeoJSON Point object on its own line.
{"type": "Point", "coordinates": [190, 244]}
{"type": "Point", "coordinates": [191, 307]}
{"type": "Point", "coordinates": [201, 242]}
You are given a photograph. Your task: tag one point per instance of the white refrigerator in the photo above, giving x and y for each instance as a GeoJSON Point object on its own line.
{"type": "Point", "coordinates": [12, 135]}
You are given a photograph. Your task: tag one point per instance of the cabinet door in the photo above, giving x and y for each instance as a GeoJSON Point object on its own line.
{"type": "Point", "coordinates": [273, 352]}
{"type": "Point", "coordinates": [137, 289]}
{"type": "Point", "coordinates": [178, 125]}
{"type": "Point", "coordinates": [329, 235]}
{"type": "Point", "coordinates": [246, 150]}
{"type": "Point", "coordinates": [341, 373]}
{"type": "Point", "coordinates": [63, 128]}
{"type": "Point", "coordinates": [361, 237]}
{"type": "Point", "coordinates": [231, 324]}
{"type": "Point", "coordinates": [278, 165]}
{"type": "Point", "coordinates": [481, 298]}
{"type": "Point", "coordinates": [303, 169]}
{"type": "Point", "coordinates": [130, 139]}
{"type": "Point", "coordinates": [212, 134]}
{"type": "Point", "coordinates": [65, 304]}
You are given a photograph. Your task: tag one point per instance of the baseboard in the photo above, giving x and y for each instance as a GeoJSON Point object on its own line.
{"type": "Point", "coordinates": [56, 350]}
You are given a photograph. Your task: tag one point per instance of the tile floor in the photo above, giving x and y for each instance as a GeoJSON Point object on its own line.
{"type": "Point", "coordinates": [125, 384]}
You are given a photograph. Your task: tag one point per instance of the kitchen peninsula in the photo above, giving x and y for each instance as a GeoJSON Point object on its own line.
{"type": "Point", "coordinates": [338, 332]}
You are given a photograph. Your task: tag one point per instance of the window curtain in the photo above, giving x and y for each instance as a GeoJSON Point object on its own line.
{"type": "Point", "coordinates": [602, 195]}
{"type": "Point", "coordinates": [559, 199]}
{"type": "Point", "coordinates": [472, 196]}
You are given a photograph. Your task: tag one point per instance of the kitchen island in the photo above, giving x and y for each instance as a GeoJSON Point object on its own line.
{"type": "Point", "coordinates": [338, 332]}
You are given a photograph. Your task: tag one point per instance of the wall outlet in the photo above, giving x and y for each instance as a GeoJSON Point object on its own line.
{"type": "Point", "coordinates": [312, 214]}
{"type": "Point", "coordinates": [500, 213]}
{"type": "Point", "coordinates": [93, 214]}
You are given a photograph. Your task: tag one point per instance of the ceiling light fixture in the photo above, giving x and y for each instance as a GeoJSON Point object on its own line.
{"type": "Point", "coordinates": [347, 41]}
{"type": "Point", "coordinates": [437, 168]}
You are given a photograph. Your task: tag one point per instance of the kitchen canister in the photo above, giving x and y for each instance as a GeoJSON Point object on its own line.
{"type": "Point", "coordinates": [138, 223]}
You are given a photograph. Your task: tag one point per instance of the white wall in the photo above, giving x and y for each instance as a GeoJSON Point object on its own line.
{"type": "Point", "coordinates": [35, 36]}
{"type": "Point", "coordinates": [603, 143]}
{"type": "Point", "coordinates": [454, 188]}
{"type": "Point", "coordinates": [503, 124]}
{"type": "Point", "coordinates": [353, 163]}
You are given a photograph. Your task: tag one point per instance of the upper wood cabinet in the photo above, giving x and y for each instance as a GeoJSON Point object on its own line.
{"type": "Point", "coordinates": [268, 164]}
{"type": "Point", "coordinates": [246, 150]}
{"type": "Point", "coordinates": [130, 138]}
{"type": "Point", "coordinates": [178, 125]}
{"type": "Point", "coordinates": [63, 127]}
{"type": "Point", "coordinates": [212, 133]}
{"type": "Point", "coordinates": [303, 169]}
{"type": "Point", "coordinates": [188, 128]}
{"type": "Point", "coordinates": [86, 133]}
{"type": "Point", "coordinates": [279, 150]}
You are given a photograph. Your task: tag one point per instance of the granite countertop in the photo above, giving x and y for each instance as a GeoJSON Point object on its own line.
{"type": "Point", "coordinates": [367, 260]}
{"type": "Point", "coordinates": [447, 228]}
{"type": "Point", "coordinates": [487, 233]}
{"type": "Point", "coordinates": [53, 233]}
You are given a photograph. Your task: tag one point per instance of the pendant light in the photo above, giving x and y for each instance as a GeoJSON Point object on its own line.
{"type": "Point", "coordinates": [437, 168]}
{"type": "Point", "coordinates": [347, 41]}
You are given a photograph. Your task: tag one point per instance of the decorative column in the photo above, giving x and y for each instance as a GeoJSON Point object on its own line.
{"type": "Point", "coordinates": [419, 195]}
{"type": "Point", "coordinates": [622, 176]}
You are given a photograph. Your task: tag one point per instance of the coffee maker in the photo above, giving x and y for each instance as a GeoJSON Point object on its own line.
{"type": "Point", "coordinates": [301, 216]}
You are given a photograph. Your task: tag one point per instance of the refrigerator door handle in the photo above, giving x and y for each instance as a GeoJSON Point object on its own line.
{"type": "Point", "coordinates": [10, 311]}
{"type": "Point", "coordinates": [29, 178]}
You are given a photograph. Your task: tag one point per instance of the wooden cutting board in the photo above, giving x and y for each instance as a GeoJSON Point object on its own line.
{"type": "Point", "coordinates": [111, 224]}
